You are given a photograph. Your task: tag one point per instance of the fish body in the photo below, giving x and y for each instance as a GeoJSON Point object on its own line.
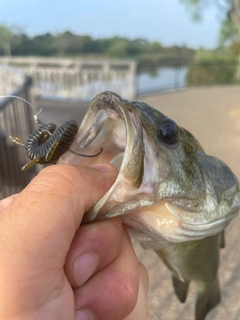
{"type": "Point", "coordinates": [194, 261]}
{"type": "Point", "coordinates": [168, 192]}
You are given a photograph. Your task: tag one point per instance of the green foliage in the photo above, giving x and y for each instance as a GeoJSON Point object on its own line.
{"type": "Point", "coordinates": [20, 44]}
{"type": "Point", "coordinates": [5, 33]}
{"type": "Point", "coordinates": [118, 47]}
{"type": "Point", "coordinates": [234, 49]}
{"type": "Point", "coordinates": [70, 44]}
{"type": "Point", "coordinates": [153, 47]}
{"type": "Point", "coordinates": [209, 55]}
{"type": "Point", "coordinates": [210, 73]}
{"type": "Point", "coordinates": [5, 39]}
{"type": "Point", "coordinates": [228, 31]}
{"type": "Point", "coordinates": [212, 67]}
{"type": "Point", "coordinates": [41, 45]}
{"type": "Point", "coordinates": [196, 7]}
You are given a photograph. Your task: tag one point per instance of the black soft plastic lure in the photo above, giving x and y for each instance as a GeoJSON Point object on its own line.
{"type": "Point", "coordinates": [49, 142]}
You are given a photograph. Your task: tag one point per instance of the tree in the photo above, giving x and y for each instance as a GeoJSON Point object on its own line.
{"type": "Point", "coordinates": [5, 39]}
{"type": "Point", "coordinates": [228, 31]}
{"type": "Point", "coordinates": [231, 23]}
{"type": "Point", "coordinates": [230, 10]}
{"type": "Point", "coordinates": [118, 47]}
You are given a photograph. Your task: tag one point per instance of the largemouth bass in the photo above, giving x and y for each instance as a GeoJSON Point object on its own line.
{"type": "Point", "coordinates": [168, 192]}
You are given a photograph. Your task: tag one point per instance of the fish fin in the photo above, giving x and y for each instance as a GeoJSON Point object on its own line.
{"type": "Point", "coordinates": [206, 301]}
{"type": "Point", "coordinates": [222, 240]}
{"type": "Point", "coordinates": [180, 288]}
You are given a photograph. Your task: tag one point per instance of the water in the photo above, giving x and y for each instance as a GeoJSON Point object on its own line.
{"type": "Point", "coordinates": [159, 80]}
{"type": "Point", "coordinates": [88, 90]}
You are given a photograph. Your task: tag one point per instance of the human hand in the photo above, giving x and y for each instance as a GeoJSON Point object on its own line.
{"type": "Point", "coordinates": [40, 240]}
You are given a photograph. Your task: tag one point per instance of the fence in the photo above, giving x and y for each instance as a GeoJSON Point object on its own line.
{"type": "Point", "coordinates": [156, 77]}
{"type": "Point", "coordinates": [16, 119]}
{"type": "Point", "coordinates": [83, 78]}
{"type": "Point", "coordinates": [77, 78]}
{"type": "Point", "coordinates": [159, 78]}
{"type": "Point", "coordinates": [10, 79]}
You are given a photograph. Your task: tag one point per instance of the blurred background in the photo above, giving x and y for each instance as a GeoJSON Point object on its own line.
{"type": "Point", "coordinates": [180, 56]}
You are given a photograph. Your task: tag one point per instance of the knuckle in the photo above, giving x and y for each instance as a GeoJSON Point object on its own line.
{"type": "Point", "coordinates": [130, 291]}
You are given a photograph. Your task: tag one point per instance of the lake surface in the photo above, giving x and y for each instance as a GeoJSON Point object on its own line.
{"type": "Point", "coordinates": [159, 80]}
{"type": "Point", "coordinates": [163, 79]}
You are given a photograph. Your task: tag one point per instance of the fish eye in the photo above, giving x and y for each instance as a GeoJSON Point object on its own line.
{"type": "Point", "coordinates": [168, 131]}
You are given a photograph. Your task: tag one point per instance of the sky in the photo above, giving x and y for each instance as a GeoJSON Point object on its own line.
{"type": "Point", "coordinates": [166, 21]}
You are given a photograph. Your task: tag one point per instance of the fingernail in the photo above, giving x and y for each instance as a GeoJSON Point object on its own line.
{"type": "Point", "coordinates": [84, 315]}
{"type": "Point", "coordinates": [103, 167]}
{"type": "Point", "coordinates": [84, 267]}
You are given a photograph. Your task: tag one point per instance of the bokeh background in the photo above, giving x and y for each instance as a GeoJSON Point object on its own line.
{"type": "Point", "coordinates": [179, 56]}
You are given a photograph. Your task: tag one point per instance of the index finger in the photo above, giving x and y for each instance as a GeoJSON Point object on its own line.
{"type": "Point", "coordinates": [53, 204]}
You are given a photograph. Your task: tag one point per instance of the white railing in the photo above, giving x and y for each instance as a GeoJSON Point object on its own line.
{"type": "Point", "coordinates": [10, 79]}
{"type": "Point", "coordinates": [77, 78]}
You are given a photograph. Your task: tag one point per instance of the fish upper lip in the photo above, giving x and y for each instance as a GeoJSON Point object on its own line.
{"type": "Point", "coordinates": [113, 107]}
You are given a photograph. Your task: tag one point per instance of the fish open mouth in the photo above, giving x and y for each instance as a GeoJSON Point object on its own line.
{"type": "Point", "coordinates": [113, 125]}
{"type": "Point", "coordinates": [123, 133]}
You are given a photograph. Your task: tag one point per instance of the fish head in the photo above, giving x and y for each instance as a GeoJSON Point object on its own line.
{"type": "Point", "coordinates": [167, 187]}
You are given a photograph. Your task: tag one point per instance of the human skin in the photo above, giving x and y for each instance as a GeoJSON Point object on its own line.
{"type": "Point", "coordinates": [50, 268]}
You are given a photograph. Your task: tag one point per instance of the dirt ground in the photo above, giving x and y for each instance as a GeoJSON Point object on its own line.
{"type": "Point", "coordinates": [213, 116]}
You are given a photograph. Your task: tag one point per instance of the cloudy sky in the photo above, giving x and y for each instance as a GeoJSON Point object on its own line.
{"type": "Point", "coordinates": [167, 21]}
